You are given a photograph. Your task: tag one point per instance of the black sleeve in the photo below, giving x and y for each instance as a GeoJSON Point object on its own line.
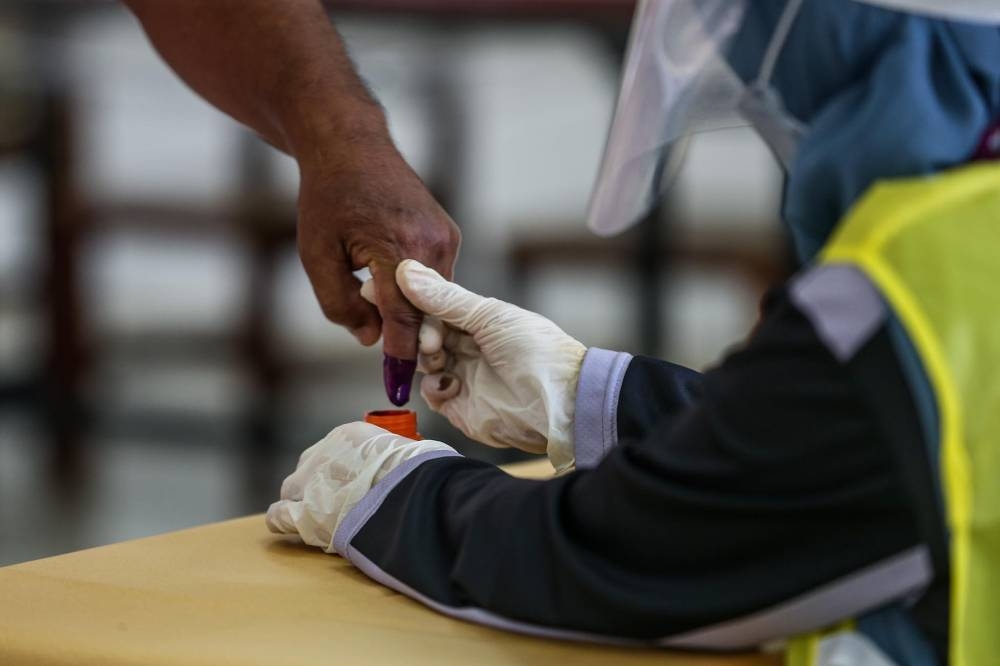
{"type": "Point", "coordinates": [653, 393]}
{"type": "Point", "coordinates": [772, 482]}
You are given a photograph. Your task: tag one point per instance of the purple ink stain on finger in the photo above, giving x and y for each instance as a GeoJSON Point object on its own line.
{"type": "Point", "coordinates": [397, 373]}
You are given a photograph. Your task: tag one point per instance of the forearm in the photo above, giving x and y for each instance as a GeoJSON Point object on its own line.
{"type": "Point", "coordinates": [706, 532]}
{"type": "Point", "coordinates": [277, 66]}
{"type": "Point", "coordinates": [624, 397]}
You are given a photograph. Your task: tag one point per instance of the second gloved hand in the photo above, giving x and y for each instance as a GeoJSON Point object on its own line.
{"type": "Point", "coordinates": [502, 375]}
{"type": "Point", "coordinates": [335, 473]}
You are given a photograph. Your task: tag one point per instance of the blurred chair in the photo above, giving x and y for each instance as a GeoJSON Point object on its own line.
{"type": "Point", "coordinates": [720, 217]}
{"type": "Point", "coordinates": [36, 125]}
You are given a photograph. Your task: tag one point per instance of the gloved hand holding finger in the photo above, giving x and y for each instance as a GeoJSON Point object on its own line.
{"type": "Point", "coordinates": [510, 376]}
{"type": "Point", "coordinates": [334, 474]}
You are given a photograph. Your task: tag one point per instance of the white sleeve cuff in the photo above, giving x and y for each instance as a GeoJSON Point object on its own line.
{"type": "Point", "coordinates": [595, 425]}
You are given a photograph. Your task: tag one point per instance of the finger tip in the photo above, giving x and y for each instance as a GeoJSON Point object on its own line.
{"type": "Point", "coordinates": [406, 264]}
{"type": "Point", "coordinates": [411, 272]}
{"type": "Point", "coordinates": [397, 375]}
{"type": "Point", "coordinates": [271, 518]}
{"type": "Point", "coordinates": [431, 338]}
{"type": "Point", "coordinates": [366, 335]}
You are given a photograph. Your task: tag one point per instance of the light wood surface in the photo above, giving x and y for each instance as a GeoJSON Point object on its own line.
{"type": "Point", "coordinates": [232, 593]}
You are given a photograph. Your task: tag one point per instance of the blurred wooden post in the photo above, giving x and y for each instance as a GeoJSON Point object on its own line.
{"type": "Point", "coordinates": [66, 361]}
{"type": "Point", "coordinates": [652, 260]}
{"type": "Point", "coordinates": [264, 225]}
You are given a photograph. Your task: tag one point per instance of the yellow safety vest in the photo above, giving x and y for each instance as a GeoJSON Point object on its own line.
{"type": "Point", "coordinates": [931, 247]}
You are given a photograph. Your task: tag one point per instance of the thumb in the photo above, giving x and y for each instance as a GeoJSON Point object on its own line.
{"type": "Point", "coordinates": [432, 294]}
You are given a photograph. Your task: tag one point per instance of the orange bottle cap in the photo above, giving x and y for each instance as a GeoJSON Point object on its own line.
{"type": "Point", "coordinates": [402, 422]}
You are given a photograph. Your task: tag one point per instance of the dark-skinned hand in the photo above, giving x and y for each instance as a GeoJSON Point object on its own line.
{"type": "Point", "coordinates": [364, 206]}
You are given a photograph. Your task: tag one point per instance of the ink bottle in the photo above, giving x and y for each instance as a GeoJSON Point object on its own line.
{"type": "Point", "coordinates": [402, 422]}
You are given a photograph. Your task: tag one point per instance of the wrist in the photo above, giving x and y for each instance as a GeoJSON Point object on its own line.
{"type": "Point", "coordinates": [319, 129]}
{"type": "Point", "coordinates": [560, 448]}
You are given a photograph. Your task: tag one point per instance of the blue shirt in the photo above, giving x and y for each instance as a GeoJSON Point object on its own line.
{"type": "Point", "coordinates": [884, 95]}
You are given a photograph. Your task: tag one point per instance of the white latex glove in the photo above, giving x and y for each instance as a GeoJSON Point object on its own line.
{"type": "Point", "coordinates": [334, 474]}
{"type": "Point", "coordinates": [502, 375]}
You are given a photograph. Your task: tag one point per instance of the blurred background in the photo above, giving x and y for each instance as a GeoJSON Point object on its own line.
{"type": "Point", "coordinates": [162, 358]}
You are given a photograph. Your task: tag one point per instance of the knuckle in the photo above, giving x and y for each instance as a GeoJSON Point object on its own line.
{"type": "Point", "coordinates": [439, 239]}
{"type": "Point", "coordinates": [409, 236]}
{"type": "Point", "coordinates": [454, 239]}
{"type": "Point", "coordinates": [444, 239]}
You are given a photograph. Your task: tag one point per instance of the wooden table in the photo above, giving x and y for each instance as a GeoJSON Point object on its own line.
{"type": "Point", "coordinates": [232, 593]}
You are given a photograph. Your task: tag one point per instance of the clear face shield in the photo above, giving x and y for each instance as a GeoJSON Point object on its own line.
{"type": "Point", "coordinates": [676, 82]}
